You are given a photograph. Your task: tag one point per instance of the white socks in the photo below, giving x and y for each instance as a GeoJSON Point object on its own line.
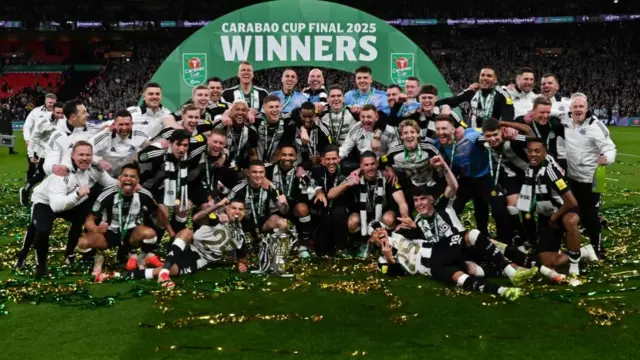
{"type": "Point", "coordinates": [510, 271]}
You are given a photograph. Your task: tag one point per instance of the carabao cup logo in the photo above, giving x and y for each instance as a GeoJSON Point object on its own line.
{"type": "Point", "coordinates": [194, 68]}
{"type": "Point", "coordinates": [402, 67]}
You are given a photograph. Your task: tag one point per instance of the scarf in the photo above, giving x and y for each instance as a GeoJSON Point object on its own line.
{"type": "Point", "coordinates": [123, 223]}
{"type": "Point", "coordinates": [284, 181]}
{"type": "Point", "coordinates": [429, 227]}
{"type": "Point", "coordinates": [376, 199]}
{"type": "Point", "coordinates": [252, 99]}
{"type": "Point", "coordinates": [267, 145]}
{"type": "Point", "coordinates": [482, 107]}
{"type": "Point", "coordinates": [306, 151]}
{"type": "Point", "coordinates": [526, 198]}
{"type": "Point", "coordinates": [237, 234]}
{"type": "Point", "coordinates": [257, 210]}
{"type": "Point", "coordinates": [175, 181]}
{"type": "Point", "coordinates": [237, 145]}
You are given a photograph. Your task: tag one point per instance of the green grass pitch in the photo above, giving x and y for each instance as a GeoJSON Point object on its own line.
{"type": "Point", "coordinates": [331, 310]}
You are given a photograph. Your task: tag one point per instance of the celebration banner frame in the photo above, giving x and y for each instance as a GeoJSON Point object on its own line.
{"type": "Point", "coordinates": [290, 33]}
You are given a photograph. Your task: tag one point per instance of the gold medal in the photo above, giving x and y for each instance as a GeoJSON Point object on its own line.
{"type": "Point", "coordinates": [177, 202]}
{"type": "Point", "coordinates": [494, 193]}
{"type": "Point", "coordinates": [527, 216]}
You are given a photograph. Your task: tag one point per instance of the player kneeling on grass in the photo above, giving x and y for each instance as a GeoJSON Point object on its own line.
{"type": "Point", "coordinates": [211, 243]}
{"type": "Point", "coordinates": [119, 210]}
{"type": "Point", "coordinates": [432, 244]}
{"type": "Point", "coordinates": [547, 192]}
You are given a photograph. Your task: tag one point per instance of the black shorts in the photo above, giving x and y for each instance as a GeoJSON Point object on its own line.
{"type": "Point", "coordinates": [198, 194]}
{"type": "Point", "coordinates": [550, 238]}
{"type": "Point", "coordinates": [448, 258]}
{"type": "Point", "coordinates": [512, 185]}
{"type": "Point", "coordinates": [248, 225]}
{"type": "Point", "coordinates": [189, 261]}
{"type": "Point", "coordinates": [114, 239]}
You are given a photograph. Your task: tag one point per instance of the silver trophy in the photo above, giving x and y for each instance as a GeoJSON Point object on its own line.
{"type": "Point", "coordinates": [274, 250]}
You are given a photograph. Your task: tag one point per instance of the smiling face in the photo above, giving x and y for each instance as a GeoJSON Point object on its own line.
{"type": "Point", "coordinates": [525, 81]}
{"type": "Point", "coordinates": [330, 160]}
{"type": "Point", "coordinates": [307, 116]}
{"type": "Point", "coordinates": [579, 109]}
{"type": "Point", "coordinates": [190, 119]}
{"type": "Point", "coordinates": [316, 80]}
{"type": "Point", "coordinates": [215, 144]}
{"type": "Point", "coordinates": [153, 97]}
{"type": "Point", "coordinates": [549, 86]}
{"type": "Point", "coordinates": [444, 132]}
{"type": "Point", "coordinates": [536, 153]}
{"type": "Point", "coordinates": [541, 114]}
{"type": "Point", "coordinates": [393, 94]}
{"type": "Point", "coordinates": [245, 74]}
{"type": "Point", "coordinates": [410, 136]}
{"type": "Point", "coordinates": [256, 175]}
{"type": "Point", "coordinates": [364, 81]}
{"type": "Point", "coordinates": [79, 119]}
{"type": "Point", "coordinates": [236, 210]}
{"type": "Point", "coordinates": [48, 103]}
{"type": "Point", "coordinates": [272, 109]}
{"type": "Point", "coordinates": [487, 79]}
{"type": "Point", "coordinates": [128, 180]}
{"type": "Point", "coordinates": [493, 137]}
{"type": "Point", "coordinates": [368, 119]}
{"type": "Point", "coordinates": [201, 98]}
{"type": "Point", "coordinates": [336, 99]}
{"type": "Point", "coordinates": [424, 204]}
{"type": "Point", "coordinates": [123, 126]}
{"type": "Point", "coordinates": [369, 168]}
{"type": "Point", "coordinates": [427, 102]}
{"type": "Point", "coordinates": [239, 112]}
{"type": "Point", "coordinates": [287, 157]}
{"type": "Point", "coordinates": [215, 90]}
{"type": "Point", "coordinates": [289, 80]}
{"type": "Point", "coordinates": [82, 156]}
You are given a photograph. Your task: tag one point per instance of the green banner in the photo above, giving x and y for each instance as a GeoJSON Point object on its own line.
{"type": "Point", "coordinates": [634, 121]}
{"type": "Point", "coordinates": [294, 33]}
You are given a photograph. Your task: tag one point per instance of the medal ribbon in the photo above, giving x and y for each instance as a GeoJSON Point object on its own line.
{"type": "Point", "coordinates": [269, 143]}
{"type": "Point", "coordinates": [260, 204]}
{"type": "Point", "coordinates": [497, 173]}
{"type": "Point", "coordinates": [339, 127]}
{"type": "Point", "coordinates": [124, 226]}
{"type": "Point", "coordinates": [538, 134]}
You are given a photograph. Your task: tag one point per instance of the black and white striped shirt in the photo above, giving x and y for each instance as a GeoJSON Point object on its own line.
{"type": "Point", "coordinates": [339, 124]}
{"type": "Point", "coordinates": [134, 208]}
{"type": "Point", "coordinates": [257, 200]}
{"type": "Point", "coordinates": [550, 185]}
{"type": "Point", "coordinates": [255, 97]}
{"type": "Point", "coordinates": [416, 164]}
{"type": "Point", "coordinates": [511, 155]}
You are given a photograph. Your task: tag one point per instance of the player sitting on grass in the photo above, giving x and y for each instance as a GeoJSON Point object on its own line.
{"type": "Point", "coordinates": [211, 243]}
{"type": "Point", "coordinates": [433, 244]}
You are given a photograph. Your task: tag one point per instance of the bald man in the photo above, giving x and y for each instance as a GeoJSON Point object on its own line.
{"type": "Point", "coordinates": [316, 92]}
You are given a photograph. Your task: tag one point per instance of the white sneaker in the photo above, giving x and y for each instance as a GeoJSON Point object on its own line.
{"type": "Point", "coordinates": [588, 254]}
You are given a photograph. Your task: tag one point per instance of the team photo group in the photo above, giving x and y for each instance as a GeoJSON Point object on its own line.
{"type": "Point", "coordinates": [257, 176]}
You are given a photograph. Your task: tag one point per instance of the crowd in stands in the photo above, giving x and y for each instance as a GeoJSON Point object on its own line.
{"type": "Point", "coordinates": [605, 56]}
{"type": "Point", "coordinates": [37, 10]}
